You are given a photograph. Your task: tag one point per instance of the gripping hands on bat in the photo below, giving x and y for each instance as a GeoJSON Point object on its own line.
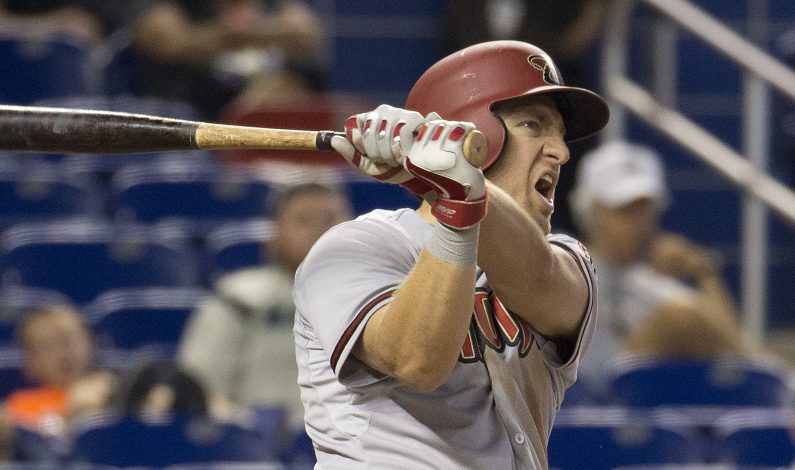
{"type": "Point", "coordinates": [424, 154]}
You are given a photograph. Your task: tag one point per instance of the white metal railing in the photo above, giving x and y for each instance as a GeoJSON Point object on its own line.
{"type": "Point", "coordinates": [747, 172]}
{"type": "Point", "coordinates": [728, 42]}
{"type": "Point", "coordinates": [711, 149]}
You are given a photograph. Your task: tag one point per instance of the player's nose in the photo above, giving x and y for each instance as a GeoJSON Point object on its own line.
{"type": "Point", "coordinates": [555, 147]}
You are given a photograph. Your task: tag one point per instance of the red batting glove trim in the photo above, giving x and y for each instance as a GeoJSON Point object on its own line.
{"type": "Point", "coordinates": [417, 186]}
{"type": "Point", "coordinates": [397, 129]}
{"type": "Point", "coordinates": [460, 214]}
{"type": "Point", "coordinates": [456, 134]}
{"type": "Point", "coordinates": [350, 124]}
{"type": "Point", "coordinates": [443, 185]}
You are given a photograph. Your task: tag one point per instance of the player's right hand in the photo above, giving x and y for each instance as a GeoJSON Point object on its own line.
{"type": "Point", "coordinates": [376, 143]}
{"type": "Point", "coordinates": [437, 158]}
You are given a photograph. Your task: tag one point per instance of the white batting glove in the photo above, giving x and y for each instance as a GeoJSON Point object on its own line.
{"type": "Point", "coordinates": [385, 134]}
{"type": "Point", "coordinates": [437, 158]}
{"type": "Point", "coordinates": [376, 143]}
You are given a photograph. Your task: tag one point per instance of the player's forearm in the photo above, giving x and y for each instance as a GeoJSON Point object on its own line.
{"type": "Point", "coordinates": [526, 272]}
{"type": "Point", "coordinates": [418, 337]}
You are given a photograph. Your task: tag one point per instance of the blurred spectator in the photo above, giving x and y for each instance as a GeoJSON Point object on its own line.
{"type": "Point", "coordinates": [88, 21]}
{"type": "Point", "coordinates": [659, 294]}
{"type": "Point", "coordinates": [58, 356]}
{"type": "Point", "coordinates": [211, 52]}
{"type": "Point", "coordinates": [207, 53]}
{"type": "Point", "coordinates": [70, 18]}
{"type": "Point", "coordinates": [568, 30]}
{"type": "Point", "coordinates": [240, 341]}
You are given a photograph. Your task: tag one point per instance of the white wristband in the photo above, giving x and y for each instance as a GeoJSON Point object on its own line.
{"type": "Point", "coordinates": [458, 247]}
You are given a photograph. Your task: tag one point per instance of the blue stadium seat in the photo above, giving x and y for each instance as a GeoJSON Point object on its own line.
{"type": "Point", "coordinates": [140, 324]}
{"type": "Point", "coordinates": [166, 440]}
{"type": "Point", "coordinates": [237, 245]}
{"type": "Point", "coordinates": [230, 466]}
{"type": "Point", "coordinates": [727, 381]}
{"type": "Point", "coordinates": [689, 466]}
{"type": "Point", "coordinates": [369, 194]}
{"type": "Point", "coordinates": [300, 453]}
{"type": "Point", "coordinates": [11, 375]}
{"type": "Point", "coordinates": [198, 196]}
{"type": "Point", "coordinates": [31, 193]}
{"type": "Point", "coordinates": [21, 465]}
{"type": "Point", "coordinates": [36, 448]}
{"type": "Point", "coordinates": [83, 258]}
{"type": "Point", "coordinates": [43, 67]}
{"type": "Point", "coordinates": [605, 438]}
{"type": "Point", "coordinates": [581, 394]}
{"type": "Point", "coordinates": [759, 438]}
{"type": "Point", "coordinates": [15, 301]}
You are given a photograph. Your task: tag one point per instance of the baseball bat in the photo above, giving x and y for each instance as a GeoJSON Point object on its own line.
{"type": "Point", "coordinates": [64, 130]}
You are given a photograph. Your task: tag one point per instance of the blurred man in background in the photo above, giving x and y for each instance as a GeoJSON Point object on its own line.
{"type": "Point", "coordinates": [659, 293]}
{"type": "Point", "coordinates": [240, 341]}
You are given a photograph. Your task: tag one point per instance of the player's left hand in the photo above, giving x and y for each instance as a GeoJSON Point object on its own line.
{"type": "Point", "coordinates": [377, 142]}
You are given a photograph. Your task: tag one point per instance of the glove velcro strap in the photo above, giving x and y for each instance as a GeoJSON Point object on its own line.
{"type": "Point", "coordinates": [460, 214]}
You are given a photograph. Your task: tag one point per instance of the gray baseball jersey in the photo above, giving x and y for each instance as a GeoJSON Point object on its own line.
{"type": "Point", "coordinates": [494, 412]}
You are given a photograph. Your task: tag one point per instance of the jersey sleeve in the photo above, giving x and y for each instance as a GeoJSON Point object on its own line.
{"type": "Point", "coordinates": [567, 360]}
{"type": "Point", "coordinates": [349, 274]}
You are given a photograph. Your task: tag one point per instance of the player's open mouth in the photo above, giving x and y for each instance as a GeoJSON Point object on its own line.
{"type": "Point", "coordinates": [545, 186]}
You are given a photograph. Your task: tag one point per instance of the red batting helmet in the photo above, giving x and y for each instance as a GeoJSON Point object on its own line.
{"type": "Point", "coordinates": [465, 85]}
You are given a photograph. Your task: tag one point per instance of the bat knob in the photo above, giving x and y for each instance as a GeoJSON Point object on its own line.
{"type": "Point", "coordinates": [475, 148]}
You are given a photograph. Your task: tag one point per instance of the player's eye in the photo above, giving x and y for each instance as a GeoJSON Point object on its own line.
{"type": "Point", "coordinates": [532, 125]}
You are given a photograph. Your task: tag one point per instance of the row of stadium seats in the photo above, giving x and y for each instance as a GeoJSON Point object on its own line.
{"type": "Point", "coordinates": [592, 438]}
{"type": "Point", "coordinates": [109, 441]}
{"type": "Point", "coordinates": [129, 325]}
{"type": "Point", "coordinates": [144, 324]}
{"type": "Point", "coordinates": [611, 438]}
{"type": "Point", "coordinates": [728, 381]}
{"type": "Point", "coordinates": [65, 230]}
{"type": "Point", "coordinates": [82, 258]}
{"type": "Point", "coordinates": [200, 193]}
{"type": "Point", "coordinates": [718, 414]}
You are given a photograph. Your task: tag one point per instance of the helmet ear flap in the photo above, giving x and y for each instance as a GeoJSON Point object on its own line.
{"type": "Point", "coordinates": [497, 133]}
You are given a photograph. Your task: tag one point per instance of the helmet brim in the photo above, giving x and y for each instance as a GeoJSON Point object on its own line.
{"type": "Point", "coordinates": [584, 112]}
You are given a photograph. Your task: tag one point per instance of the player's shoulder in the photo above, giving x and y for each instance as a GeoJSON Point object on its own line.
{"type": "Point", "coordinates": [390, 223]}
{"type": "Point", "coordinates": [373, 229]}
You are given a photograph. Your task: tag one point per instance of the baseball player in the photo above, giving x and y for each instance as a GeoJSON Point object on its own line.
{"type": "Point", "coordinates": [445, 337]}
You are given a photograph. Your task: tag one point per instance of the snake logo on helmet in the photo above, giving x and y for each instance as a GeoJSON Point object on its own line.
{"type": "Point", "coordinates": [549, 72]}
{"type": "Point", "coordinates": [465, 86]}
